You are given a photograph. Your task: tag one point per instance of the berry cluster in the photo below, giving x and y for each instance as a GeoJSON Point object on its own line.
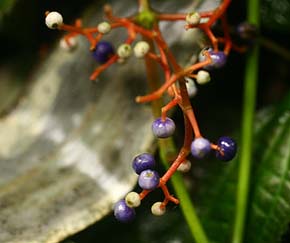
{"type": "Point", "coordinates": [179, 86]}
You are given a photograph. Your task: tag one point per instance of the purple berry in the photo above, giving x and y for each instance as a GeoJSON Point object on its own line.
{"type": "Point", "coordinates": [123, 212]}
{"type": "Point", "coordinates": [163, 129]}
{"type": "Point", "coordinates": [103, 51]}
{"type": "Point", "coordinates": [218, 58]}
{"type": "Point", "coordinates": [227, 149]}
{"type": "Point", "coordinates": [247, 31]}
{"type": "Point", "coordinates": [200, 147]}
{"type": "Point", "coordinates": [143, 162]}
{"type": "Point", "coordinates": [148, 179]}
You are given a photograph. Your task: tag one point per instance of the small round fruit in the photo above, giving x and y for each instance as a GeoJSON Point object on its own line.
{"type": "Point", "coordinates": [202, 77]}
{"type": "Point", "coordinates": [68, 45]}
{"type": "Point", "coordinates": [192, 18]}
{"type": "Point", "coordinates": [103, 51]}
{"type": "Point", "coordinates": [124, 51]}
{"type": "Point", "coordinates": [247, 31]}
{"type": "Point", "coordinates": [163, 129]}
{"type": "Point", "coordinates": [123, 212]}
{"type": "Point", "coordinates": [227, 149]}
{"type": "Point", "coordinates": [191, 87]}
{"type": "Point", "coordinates": [104, 27]}
{"type": "Point", "coordinates": [141, 49]}
{"type": "Point", "coordinates": [200, 147]}
{"type": "Point", "coordinates": [218, 58]}
{"type": "Point", "coordinates": [148, 179]}
{"type": "Point", "coordinates": [133, 199]}
{"type": "Point", "coordinates": [53, 20]}
{"type": "Point", "coordinates": [143, 162]}
{"type": "Point", "coordinates": [184, 166]}
{"type": "Point", "coordinates": [157, 209]}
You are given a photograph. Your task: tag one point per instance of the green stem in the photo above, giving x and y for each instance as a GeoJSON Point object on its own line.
{"type": "Point", "coordinates": [251, 75]}
{"type": "Point", "coordinates": [167, 150]}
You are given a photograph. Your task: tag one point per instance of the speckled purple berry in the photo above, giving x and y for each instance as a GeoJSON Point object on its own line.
{"type": "Point", "coordinates": [103, 51]}
{"type": "Point", "coordinates": [163, 129]}
{"type": "Point", "coordinates": [143, 162]}
{"type": "Point", "coordinates": [148, 179]}
{"type": "Point", "coordinates": [200, 147]}
{"type": "Point", "coordinates": [227, 149]}
{"type": "Point", "coordinates": [123, 212]}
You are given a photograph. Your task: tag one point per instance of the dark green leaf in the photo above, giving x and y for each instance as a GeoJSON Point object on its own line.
{"type": "Point", "coordinates": [269, 211]}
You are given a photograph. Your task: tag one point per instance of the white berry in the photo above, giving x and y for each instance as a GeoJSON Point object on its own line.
{"type": "Point", "coordinates": [192, 18]}
{"type": "Point", "coordinates": [191, 87]}
{"type": "Point", "coordinates": [202, 77]}
{"type": "Point", "coordinates": [133, 199]}
{"type": "Point", "coordinates": [184, 166]}
{"type": "Point", "coordinates": [157, 209]}
{"type": "Point", "coordinates": [68, 45]}
{"type": "Point", "coordinates": [141, 49]}
{"type": "Point", "coordinates": [104, 27]}
{"type": "Point", "coordinates": [53, 20]}
{"type": "Point", "coordinates": [124, 51]}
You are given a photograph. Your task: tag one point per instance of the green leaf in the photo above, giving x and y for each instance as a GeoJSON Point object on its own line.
{"type": "Point", "coordinates": [275, 15]}
{"type": "Point", "coordinates": [216, 196]}
{"type": "Point", "coordinates": [270, 205]}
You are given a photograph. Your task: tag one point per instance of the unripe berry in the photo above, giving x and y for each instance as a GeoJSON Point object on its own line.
{"type": "Point", "coordinates": [104, 27]}
{"type": "Point", "coordinates": [124, 51]}
{"type": "Point", "coordinates": [191, 87]}
{"type": "Point", "coordinates": [202, 77]}
{"type": "Point", "coordinates": [192, 18]}
{"type": "Point", "coordinates": [157, 209]}
{"type": "Point", "coordinates": [133, 199]}
{"type": "Point", "coordinates": [69, 45]}
{"type": "Point", "coordinates": [141, 49]}
{"type": "Point", "coordinates": [53, 20]}
{"type": "Point", "coordinates": [184, 166]}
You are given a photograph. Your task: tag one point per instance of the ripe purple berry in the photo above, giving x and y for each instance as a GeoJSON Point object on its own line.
{"type": "Point", "coordinates": [163, 129]}
{"type": "Point", "coordinates": [143, 162]}
{"type": "Point", "coordinates": [123, 212]}
{"type": "Point", "coordinates": [200, 147]}
{"type": "Point", "coordinates": [148, 179]}
{"type": "Point", "coordinates": [218, 58]}
{"type": "Point", "coordinates": [227, 149]}
{"type": "Point", "coordinates": [103, 51]}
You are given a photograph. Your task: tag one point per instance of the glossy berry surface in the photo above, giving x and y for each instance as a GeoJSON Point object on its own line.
{"type": "Point", "coordinates": [227, 149]}
{"type": "Point", "coordinates": [103, 51]}
{"type": "Point", "coordinates": [163, 129]}
{"type": "Point", "coordinates": [218, 59]}
{"type": "Point", "coordinates": [200, 147]}
{"type": "Point", "coordinates": [123, 212]}
{"type": "Point", "coordinates": [148, 179]}
{"type": "Point", "coordinates": [143, 162]}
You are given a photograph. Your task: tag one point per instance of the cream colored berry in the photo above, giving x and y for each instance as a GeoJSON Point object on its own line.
{"type": "Point", "coordinates": [104, 27]}
{"type": "Point", "coordinates": [124, 51]}
{"type": "Point", "coordinates": [192, 18]}
{"type": "Point", "coordinates": [141, 49]}
{"type": "Point", "coordinates": [133, 199]}
{"type": "Point", "coordinates": [68, 45]}
{"type": "Point", "coordinates": [157, 209]}
{"type": "Point", "coordinates": [53, 20]}
{"type": "Point", "coordinates": [191, 87]}
{"type": "Point", "coordinates": [202, 77]}
{"type": "Point", "coordinates": [184, 166]}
